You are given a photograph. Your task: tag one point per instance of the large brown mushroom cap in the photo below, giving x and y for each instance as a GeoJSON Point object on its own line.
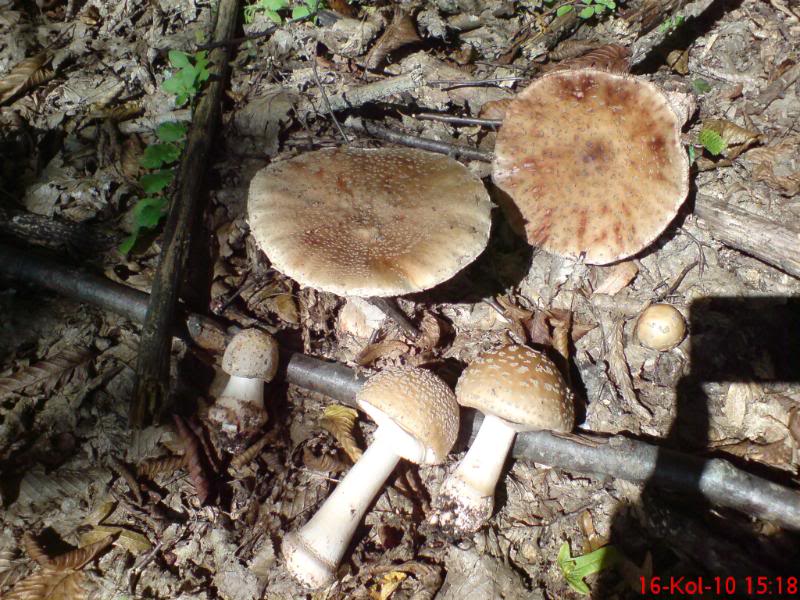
{"type": "Point", "coordinates": [519, 385]}
{"type": "Point", "coordinates": [594, 163]}
{"type": "Point", "coordinates": [417, 401]}
{"type": "Point", "coordinates": [369, 222]}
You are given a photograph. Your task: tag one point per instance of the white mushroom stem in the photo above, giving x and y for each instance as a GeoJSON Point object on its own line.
{"type": "Point", "coordinates": [243, 389]}
{"type": "Point", "coordinates": [466, 498]}
{"type": "Point", "coordinates": [481, 466]}
{"type": "Point", "coordinates": [314, 551]}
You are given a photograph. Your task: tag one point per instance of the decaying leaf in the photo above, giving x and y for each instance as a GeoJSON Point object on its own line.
{"type": "Point", "coordinates": [619, 373]}
{"type": "Point", "coordinates": [778, 165]}
{"type": "Point", "coordinates": [25, 75]}
{"type": "Point", "coordinates": [34, 550]}
{"type": "Point", "coordinates": [741, 394]}
{"type": "Point", "coordinates": [382, 349]}
{"type": "Point", "coordinates": [285, 306]}
{"type": "Point", "coordinates": [611, 57]}
{"type": "Point", "coordinates": [400, 32]}
{"type": "Point", "coordinates": [616, 277]}
{"type": "Point", "coordinates": [195, 460]}
{"type": "Point", "coordinates": [678, 61]}
{"type": "Point", "coordinates": [561, 327]}
{"type": "Point", "coordinates": [572, 49]}
{"type": "Point", "coordinates": [340, 421]}
{"type": "Point", "coordinates": [736, 139]}
{"type": "Point", "coordinates": [323, 463]}
{"type": "Point", "coordinates": [155, 466]}
{"type": "Point", "coordinates": [132, 541]}
{"type": "Point", "coordinates": [49, 585]}
{"type": "Point", "coordinates": [387, 585]}
{"type": "Point", "coordinates": [250, 453]}
{"type": "Point", "coordinates": [47, 373]}
{"type": "Point", "coordinates": [430, 332]}
{"type": "Point", "coordinates": [61, 578]}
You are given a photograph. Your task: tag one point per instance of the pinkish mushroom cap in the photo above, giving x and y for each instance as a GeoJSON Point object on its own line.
{"type": "Point", "coordinates": [594, 163]}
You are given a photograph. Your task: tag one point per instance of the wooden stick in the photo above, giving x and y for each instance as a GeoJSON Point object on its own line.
{"type": "Point", "coordinates": [777, 244]}
{"type": "Point", "coordinates": [152, 370]}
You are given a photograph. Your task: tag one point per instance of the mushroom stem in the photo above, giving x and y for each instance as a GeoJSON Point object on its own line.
{"type": "Point", "coordinates": [313, 552]}
{"type": "Point", "coordinates": [244, 390]}
{"type": "Point", "coordinates": [466, 498]}
{"type": "Point", "coordinates": [480, 468]}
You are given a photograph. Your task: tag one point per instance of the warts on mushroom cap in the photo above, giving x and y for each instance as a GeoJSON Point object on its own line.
{"type": "Point", "coordinates": [369, 222]}
{"type": "Point", "coordinates": [593, 162]}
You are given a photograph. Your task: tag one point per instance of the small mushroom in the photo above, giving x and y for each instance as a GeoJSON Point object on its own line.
{"type": "Point", "coordinates": [660, 327]}
{"type": "Point", "coordinates": [369, 222]}
{"type": "Point", "coordinates": [518, 389]}
{"type": "Point", "coordinates": [251, 358]}
{"type": "Point", "coordinates": [593, 162]}
{"type": "Point", "coordinates": [417, 418]}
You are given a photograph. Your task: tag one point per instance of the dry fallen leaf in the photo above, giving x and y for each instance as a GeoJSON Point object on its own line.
{"type": "Point", "coordinates": [285, 307]}
{"type": "Point", "coordinates": [736, 138]}
{"type": "Point", "coordinates": [400, 32]}
{"type": "Point", "coordinates": [340, 422]}
{"type": "Point", "coordinates": [48, 373]}
{"type": "Point", "coordinates": [324, 463]}
{"type": "Point", "coordinates": [611, 57]}
{"type": "Point", "coordinates": [383, 349]}
{"type": "Point", "coordinates": [572, 49]}
{"type": "Point", "coordinates": [616, 277]}
{"type": "Point", "coordinates": [26, 74]}
{"type": "Point", "coordinates": [387, 585]}
{"type": "Point", "coordinates": [132, 541]}
{"type": "Point", "coordinates": [778, 165]}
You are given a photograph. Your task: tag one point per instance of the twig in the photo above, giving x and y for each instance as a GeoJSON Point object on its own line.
{"type": "Point", "coordinates": [152, 370]}
{"type": "Point", "coordinates": [459, 120]}
{"type": "Point", "coordinates": [767, 240]}
{"type": "Point", "coordinates": [325, 97]}
{"type": "Point", "coordinates": [391, 310]}
{"type": "Point", "coordinates": [617, 456]}
{"type": "Point", "coordinates": [390, 135]}
{"type": "Point", "coordinates": [358, 96]}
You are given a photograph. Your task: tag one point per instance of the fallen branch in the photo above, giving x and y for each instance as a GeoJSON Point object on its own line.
{"type": "Point", "coordinates": [152, 370]}
{"type": "Point", "coordinates": [77, 238]}
{"type": "Point", "coordinates": [370, 92]}
{"type": "Point", "coordinates": [617, 456]}
{"type": "Point", "coordinates": [774, 243]}
{"type": "Point", "coordinates": [77, 283]}
{"type": "Point", "coordinates": [413, 141]}
{"type": "Point", "coordinates": [717, 480]}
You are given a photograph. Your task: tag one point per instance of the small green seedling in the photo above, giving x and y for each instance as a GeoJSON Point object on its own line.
{"type": "Point", "coordinates": [670, 24]}
{"type": "Point", "coordinates": [270, 9]}
{"type": "Point", "coordinates": [588, 8]}
{"type": "Point", "coordinates": [148, 212]}
{"type": "Point", "coordinates": [577, 567]}
{"type": "Point", "coordinates": [701, 86]}
{"type": "Point", "coordinates": [712, 141]}
{"type": "Point", "coordinates": [307, 8]}
{"type": "Point", "coordinates": [191, 72]}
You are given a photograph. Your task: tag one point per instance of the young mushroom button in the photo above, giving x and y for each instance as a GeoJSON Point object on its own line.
{"type": "Point", "coordinates": [417, 418]}
{"type": "Point", "coordinates": [593, 162]}
{"type": "Point", "coordinates": [251, 358]}
{"type": "Point", "coordinates": [518, 389]}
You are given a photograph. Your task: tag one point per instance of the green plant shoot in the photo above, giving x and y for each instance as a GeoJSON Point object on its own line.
{"type": "Point", "coordinates": [191, 72]}
{"type": "Point", "coordinates": [577, 567]}
{"type": "Point", "coordinates": [712, 141]}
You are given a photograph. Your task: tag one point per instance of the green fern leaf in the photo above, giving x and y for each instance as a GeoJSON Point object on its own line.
{"type": "Point", "coordinates": [712, 141]}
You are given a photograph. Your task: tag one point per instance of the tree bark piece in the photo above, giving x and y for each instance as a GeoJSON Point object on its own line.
{"type": "Point", "coordinates": [152, 369]}
{"type": "Point", "coordinates": [777, 244]}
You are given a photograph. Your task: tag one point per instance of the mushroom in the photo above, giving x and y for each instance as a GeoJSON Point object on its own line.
{"type": "Point", "coordinates": [517, 389]}
{"type": "Point", "coordinates": [593, 163]}
{"type": "Point", "coordinates": [417, 418]}
{"type": "Point", "coordinates": [369, 222]}
{"type": "Point", "coordinates": [251, 358]}
{"type": "Point", "coordinates": [660, 327]}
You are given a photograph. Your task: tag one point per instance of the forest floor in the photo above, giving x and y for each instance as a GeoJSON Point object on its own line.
{"type": "Point", "coordinates": [82, 95]}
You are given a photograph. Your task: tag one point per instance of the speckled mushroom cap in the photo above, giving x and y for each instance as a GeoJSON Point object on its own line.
{"type": "Point", "coordinates": [369, 222]}
{"type": "Point", "coordinates": [594, 163]}
{"type": "Point", "coordinates": [519, 385]}
{"type": "Point", "coordinates": [253, 354]}
{"type": "Point", "coordinates": [419, 402]}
